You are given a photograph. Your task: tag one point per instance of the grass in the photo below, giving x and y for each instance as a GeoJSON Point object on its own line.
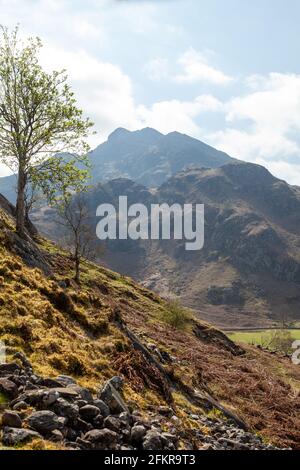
{"type": "Point", "coordinates": [259, 337]}
{"type": "Point", "coordinates": [66, 329]}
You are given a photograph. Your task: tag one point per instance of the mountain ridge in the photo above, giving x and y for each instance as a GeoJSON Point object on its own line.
{"type": "Point", "coordinates": [146, 156]}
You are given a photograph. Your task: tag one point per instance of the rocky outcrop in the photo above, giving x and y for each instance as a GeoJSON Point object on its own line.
{"type": "Point", "coordinates": [61, 411]}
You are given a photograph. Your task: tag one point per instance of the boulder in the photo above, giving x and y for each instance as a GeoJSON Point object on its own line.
{"type": "Point", "coordinates": [152, 441]}
{"type": "Point", "coordinates": [102, 439]}
{"type": "Point", "coordinates": [12, 436]}
{"type": "Point", "coordinates": [104, 409]}
{"type": "Point", "coordinates": [9, 368]}
{"type": "Point", "coordinates": [112, 423]}
{"type": "Point", "coordinates": [112, 398]}
{"type": "Point", "coordinates": [137, 434]}
{"type": "Point", "coordinates": [67, 410]}
{"type": "Point", "coordinates": [8, 388]}
{"type": "Point", "coordinates": [11, 419]}
{"type": "Point", "coordinates": [65, 380]}
{"type": "Point", "coordinates": [84, 393]}
{"type": "Point", "coordinates": [44, 422]}
{"type": "Point", "coordinates": [89, 412]}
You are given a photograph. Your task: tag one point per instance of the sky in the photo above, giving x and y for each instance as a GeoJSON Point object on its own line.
{"type": "Point", "coordinates": [225, 72]}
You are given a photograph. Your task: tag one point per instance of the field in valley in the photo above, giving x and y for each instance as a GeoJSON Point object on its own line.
{"type": "Point", "coordinates": [259, 337]}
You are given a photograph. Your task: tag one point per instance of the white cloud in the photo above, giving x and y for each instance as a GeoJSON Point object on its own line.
{"type": "Point", "coordinates": [196, 68]}
{"type": "Point", "coordinates": [289, 172]}
{"type": "Point", "coordinates": [270, 118]}
{"type": "Point", "coordinates": [103, 90]}
{"type": "Point", "coordinates": [175, 115]}
{"type": "Point", "coordinates": [157, 69]}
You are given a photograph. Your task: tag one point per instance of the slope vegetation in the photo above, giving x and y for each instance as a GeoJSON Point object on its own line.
{"type": "Point", "coordinates": [112, 326]}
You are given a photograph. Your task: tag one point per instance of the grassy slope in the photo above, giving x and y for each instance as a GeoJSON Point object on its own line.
{"type": "Point", "coordinates": [67, 330]}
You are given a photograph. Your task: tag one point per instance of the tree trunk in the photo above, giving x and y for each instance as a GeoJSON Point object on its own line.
{"type": "Point", "coordinates": [20, 208]}
{"type": "Point", "coordinates": [77, 269]}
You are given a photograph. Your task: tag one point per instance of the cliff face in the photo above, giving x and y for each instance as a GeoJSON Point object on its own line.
{"type": "Point", "coordinates": [175, 369]}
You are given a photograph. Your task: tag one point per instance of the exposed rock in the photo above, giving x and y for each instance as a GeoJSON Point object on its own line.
{"type": "Point", "coordinates": [226, 295]}
{"type": "Point", "coordinates": [102, 439]}
{"type": "Point", "coordinates": [9, 368]}
{"type": "Point", "coordinates": [112, 423]}
{"type": "Point", "coordinates": [8, 388]}
{"type": "Point", "coordinates": [44, 422]}
{"type": "Point", "coordinates": [65, 380]}
{"type": "Point", "coordinates": [104, 409]}
{"type": "Point", "coordinates": [112, 398]}
{"type": "Point", "coordinates": [11, 419]}
{"type": "Point", "coordinates": [65, 409]}
{"type": "Point", "coordinates": [137, 434]}
{"type": "Point", "coordinates": [89, 412]}
{"type": "Point", "coordinates": [152, 441]}
{"type": "Point", "coordinates": [12, 436]}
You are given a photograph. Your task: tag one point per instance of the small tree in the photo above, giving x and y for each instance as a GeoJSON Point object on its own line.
{"type": "Point", "coordinates": [74, 217]}
{"type": "Point", "coordinates": [38, 119]}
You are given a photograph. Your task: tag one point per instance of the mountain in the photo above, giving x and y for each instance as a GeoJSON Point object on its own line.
{"type": "Point", "coordinates": [149, 157]}
{"type": "Point", "coordinates": [181, 383]}
{"type": "Point", "coordinates": [145, 156]}
{"type": "Point", "coordinates": [248, 273]}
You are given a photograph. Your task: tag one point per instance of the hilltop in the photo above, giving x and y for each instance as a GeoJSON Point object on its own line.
{"type": "Point", "coordinates": [145, 156]}
{"type": "Point", "coordinates": [185, 375]}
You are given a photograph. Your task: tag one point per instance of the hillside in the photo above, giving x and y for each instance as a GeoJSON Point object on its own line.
{"type": "Point", "coordinates": [184, 376]}
{"type": "Point", "coordinates": [145, 156]}
{"type": "Point", "coordinates": [248, 273]}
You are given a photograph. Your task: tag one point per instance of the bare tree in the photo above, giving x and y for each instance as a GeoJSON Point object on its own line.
{"type": "Point", "coordinates": [74, 217]}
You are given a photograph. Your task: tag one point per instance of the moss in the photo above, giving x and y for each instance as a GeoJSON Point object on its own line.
{"type": "Point", "coordinates": [3, 399]}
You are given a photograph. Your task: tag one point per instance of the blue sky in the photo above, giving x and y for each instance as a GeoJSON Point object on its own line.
{"type": "Point", "coordinates": [226, 72]}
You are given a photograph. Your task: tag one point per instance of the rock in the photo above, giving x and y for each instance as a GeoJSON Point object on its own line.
{"type": "Point", "coordinates": [12, 436]}
{"type": "Point", "coordinates": [102, 439]}
{"type": "Point", "coordinates": [20, 405]}
{"type": "Point", "coordinates": [170, 437]}
{"type": "Point", "coordinates": [65, 380]}
{"type": "Point", "coordinates": [104, 409]}
{"type": "Point", "coordinates": [65, 409]}
{"type": "Point", "coordinates": [69, 392]}
{"type": "Point", "coordinates": [49, 383]}
{"type": "Point", "coordinates": [137, 434]}
{"type": "Point", "coordinates": [11, 419]}
{"type": "Point", "coordinates": [165, 411]}
{"type": "Point", "coordinates": [9, 368]}
{"type": "Point", "coordinates": [89, 412]}
{"type": "Point", "coordinates": [112, 423]}
{"type": "Point", "coordinates": [8, 388]}
{"type": "Point", "coordinates": [81, 403]}
{"type": "Point", "coordinates": [25, 362]}
{"type": "Point", "coordinates": [117, 382]}
{"type": "Point", "coordinates": [152, 441]}
{"type": "Point", "coordinates": [81, 425]}
{"type": "Point", "coordinates": [125, 418]}
{"type": "Point", "coordinates": [98, 422]}
{"type": "Point", "coordinates": [44, 422]}
{"type": "Point", "coordinates": [49, 398]}
{"type": "Point", "coordinates": [83, 444]}
{"type": "Point", "coordinates": [56, 436]}
{"type": "Point", "coordinates": [113, 399]}
{"type": "Point", "coordinates": [84, 393]}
